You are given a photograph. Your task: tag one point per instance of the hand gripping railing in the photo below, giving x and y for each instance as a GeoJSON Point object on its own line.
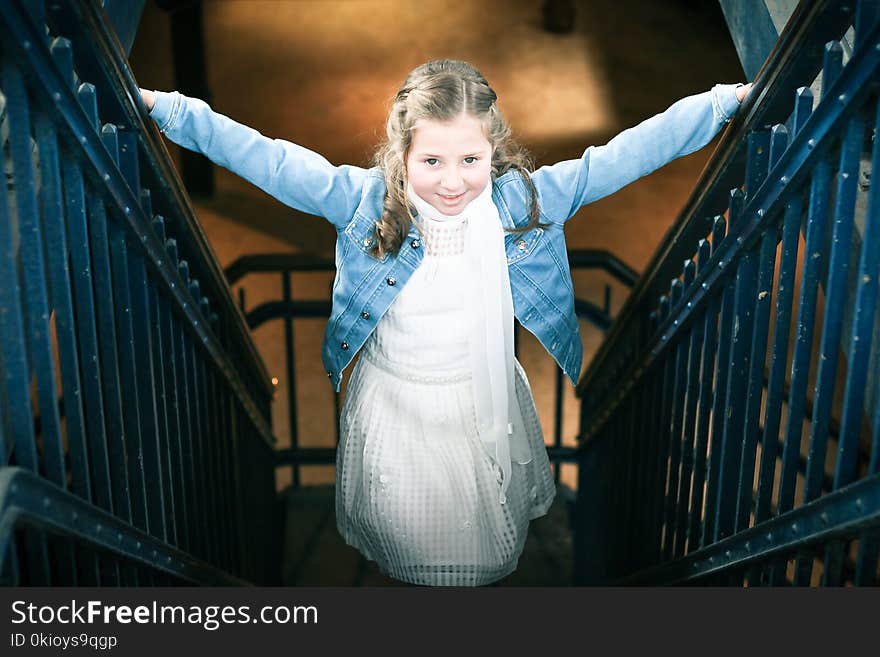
{"type": "Point", "coordinates": [112, 299]}
{"type": "Point", "coordinates": [684, 475]}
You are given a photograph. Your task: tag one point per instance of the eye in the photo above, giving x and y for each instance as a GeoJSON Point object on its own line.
{"type": "Point", "coordinates": [471, 160]}
{"type": "Point", "coordinates": [431, 161]}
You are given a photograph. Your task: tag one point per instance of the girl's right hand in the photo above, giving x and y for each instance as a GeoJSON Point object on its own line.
{"type": "Point", "coordinates": [149, 98]}
{"type": "Point", "coordinates": [743, 91]}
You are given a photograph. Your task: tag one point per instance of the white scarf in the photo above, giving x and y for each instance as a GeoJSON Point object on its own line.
{"type": "Point", "coordinates": [490, 334]}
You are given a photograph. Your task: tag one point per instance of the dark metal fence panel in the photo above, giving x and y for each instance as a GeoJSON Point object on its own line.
{"type": "Point", "coordinates": [761, 446]}
{"type": "Point", "coordinates": [134, 412]}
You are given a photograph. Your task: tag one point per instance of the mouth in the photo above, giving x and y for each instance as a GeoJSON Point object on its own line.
{"type": "Point", "coordinates": [451, 199]}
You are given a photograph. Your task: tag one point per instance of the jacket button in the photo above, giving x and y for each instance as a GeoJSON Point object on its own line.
{"type": "Point", "coordinates": [415, 244]}
{"type": "Point", "coordinates": [368, 241]}
{"type": "Point", "coordinates": [344, 346]}
{"type": "Point", "coordinates": [329, 374]}
{"type": "Point", "coordinates": [390, 280]}
{"type": "Point", "coordinates": [521, 245]}
{"type": "Point", "coordinates": [365, 315]}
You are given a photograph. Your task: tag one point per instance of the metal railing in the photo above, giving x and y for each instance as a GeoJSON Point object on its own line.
{"type": "Point", "coordinates": [684, 474]}
{"type": "Point", "coordinates": [134, 409]}
{"type": "Point", "coordinates": [287, 309]}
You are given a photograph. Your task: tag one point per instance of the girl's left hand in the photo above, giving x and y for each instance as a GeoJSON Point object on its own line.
{"type": "Point", "coordinates": [743, 91]}
{"type": "Point", "coordinates": [148, 97]}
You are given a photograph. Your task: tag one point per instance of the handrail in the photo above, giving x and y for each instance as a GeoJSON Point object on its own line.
{"type": "Point", "coordinates": [257, 262]}
{"type": "Point", "coordinates": [85, 20]}
{"type": "Point", "coordinates": [768, 103]}
{"type": "Point", "coordinates": [300, 262]}
{"type": "Point", "coordinates": [164, 418]}
{"type": "Point", "coordinates": [689, 469]}
{"type": "Point", "coordinates": [834, 516]}
{"type": "Point", "coordinates": [28, 501]}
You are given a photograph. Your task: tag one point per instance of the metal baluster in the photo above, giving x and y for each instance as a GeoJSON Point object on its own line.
{"type": "Point", "coordinates": [118, 252]}
{"type": "Point", "coordinates": [242, 456]}
{"type": "Point", "coordinates": [757, 358]}
{"type": "Point", "coordinates": [148, 387]}
{"type": "Point", "coordinates": [814, 271]}
{"type": "Point", "coordinates": [14, 356]}
{"type": "Point", "coordinates": [209, 436]}
{"type": "Point", "coordinates": [858, 361]}
{"type": "Point", "coordinates": [37, 301]}
{"type": "Point", "coordinates": [237, 510]}
{"type": "Point", "coordinates": [89, 316]}
{"type": "Point", "coordinates": [635, 497]}
{"type": "Point", "coordinates": [34, 302]}
{"type": "Point", "coordinates": [609, 437]}
{"type": "Point", "coordinates": [227, 404]}
{"type": "Point", "coordinates": [713, 490]}
{"type": "Point", "coordinates": [225, 475]}
{"type": "Point", "coordinates": [817, 218]}
{"type": "Point", "coordinates": [59, 274]}
{"type": "Point", "coordinates": [162, 387]}
{"type": "Point", "coordinates": [813, 265]}
{"type": "Point", "coordinates": [80, 258]}
{"type": "Point", "coordinates": [108, 345]}
{"type": "Point", "coordinates": [710, 346]}
{"type": "Point", "coordinates": [181, 520]}
{"type": "Point", "coordinates": [236, 484]}
{"type": "Point", "coordinates": [665, 397]}
{"type": "Point", "coordinates": [219, 466]}
{"type": "Point", "coordinates": [866, 303]}
{"type": "Point", "coordinates": [197, 432]}
{"type": "Point", "coordinates": [673, 446]}
{"type": "Point", "coordinates": [291, 374]}
{"type": "Point", "coordinates": [687, 451]}
{"type": "Point", "coordinates": [847, 178]}
{"type": "Point", "coordinates": [744, 298]}
{"type": "Point", "coordinates": [620, 439]}
{"type": "Point", "coordinates": [636, 468]}
{"type": "Point", "coordinates": [190, 427]}
{"type": "Point", "coordinates": [210, 445]}
{"type": "Point", "coordinates": [201, 461]}
{"type": "Point", "coordinates": [149, 415]}
{"type": "Point", "coordinates": [791, 225]}
{"type": "Point", "coordinates": [642, 536]}
{"type": "Point", "coordinates": [678, 401]}
{"type": "Point", "coordinates": [756, 285]}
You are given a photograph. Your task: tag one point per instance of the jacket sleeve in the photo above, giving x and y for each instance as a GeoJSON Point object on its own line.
{"type": "Point", "coordinates": [296, 176]}
{"type": "Point", "coordinates": [688, 125]}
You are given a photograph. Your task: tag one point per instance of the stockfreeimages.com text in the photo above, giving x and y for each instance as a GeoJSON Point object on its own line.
{"type": "Point", "coordinates": [211, 617]}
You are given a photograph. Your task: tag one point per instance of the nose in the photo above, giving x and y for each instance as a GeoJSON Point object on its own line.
{"type": "Point", "coordinates": [451, 179]}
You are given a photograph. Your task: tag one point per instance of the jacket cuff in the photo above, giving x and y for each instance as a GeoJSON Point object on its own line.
{"type": "Point", "coordinates": [166, 109]}
{"type": "Point", "coordinates": [724, 102]}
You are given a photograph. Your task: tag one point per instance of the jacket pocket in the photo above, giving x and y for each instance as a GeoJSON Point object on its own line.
{"type": "Point", "coordinates": [518, 246]}
{"type": "Point", "coordinates": [361, 232]}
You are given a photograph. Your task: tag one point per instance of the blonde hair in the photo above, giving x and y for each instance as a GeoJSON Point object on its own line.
{"type": "Point", "coordinates": [441, 90]}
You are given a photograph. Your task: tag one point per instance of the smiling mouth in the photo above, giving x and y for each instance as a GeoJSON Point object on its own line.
{"type": "Point", "coordinates": [447, 197]}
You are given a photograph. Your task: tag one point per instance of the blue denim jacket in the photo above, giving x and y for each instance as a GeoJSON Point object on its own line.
{"type": "Point", "coordinates": [351, 198]}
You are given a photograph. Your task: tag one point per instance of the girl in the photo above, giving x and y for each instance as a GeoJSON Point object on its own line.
{"type": "Point", "coordinates": [441, 462]}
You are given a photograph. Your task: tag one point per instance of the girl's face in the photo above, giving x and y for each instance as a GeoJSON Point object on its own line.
{"type": "Point", "coordinates": [449, 163]}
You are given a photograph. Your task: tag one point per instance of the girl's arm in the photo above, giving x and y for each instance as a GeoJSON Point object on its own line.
{"type": "Point", "coordinates": [685, 127]}
{"type": "Point", "coordinates": [294, 175]}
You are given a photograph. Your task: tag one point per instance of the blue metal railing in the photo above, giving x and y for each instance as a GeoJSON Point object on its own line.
{"type": "Point", "coordinates": [684, 475]}
{"type": "Point", "coordinates": [134, 410]}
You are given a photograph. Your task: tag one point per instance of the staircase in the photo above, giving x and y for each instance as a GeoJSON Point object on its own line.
{"type": "Point", "coordinates": [729, 421]}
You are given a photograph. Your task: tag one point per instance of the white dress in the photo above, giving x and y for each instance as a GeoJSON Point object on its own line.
{"type": "Point", "coordinates": [416, 491]}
